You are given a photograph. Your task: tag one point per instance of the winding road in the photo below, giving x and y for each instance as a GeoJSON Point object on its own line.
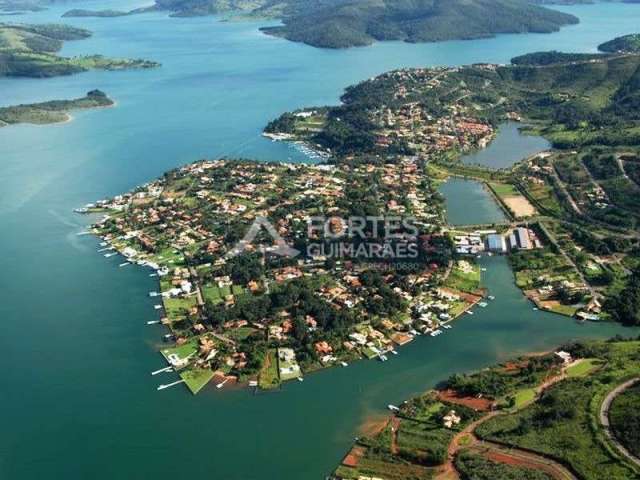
{"type": "Point", "coordinates": [604, 418]}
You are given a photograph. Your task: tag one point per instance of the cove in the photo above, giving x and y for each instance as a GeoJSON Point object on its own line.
{"type": "Point", "coordinates": [509, 147]}
{"type": "Point", "coordinates": [78, 399]}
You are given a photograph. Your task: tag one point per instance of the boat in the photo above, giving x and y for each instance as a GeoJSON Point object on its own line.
{"type": "Point", "coordinates": [393, 408]}
{"type": "Point", "coordinates": [153, 294]}
{"type": "Point", "coordinates": [157, 307]}
{"type": "Point", "coordinates": [383, 358]}
{"type": "Point", "coordinates": [221, 384]}
{"type": "Point", "coordinates": [253, 383]}
{"type": "Point", "coordinates": [300, 379]}
{"type": "Point", "coordinates": [469, 312]}
{"type": "Point", "coordinates": [483, 304]}
{"type": "Point", "coordinates": [344, 364]}
{"type": "Point", "coordinates": [109, 255]}
{"type": "Point", "coordinates": [124, 264]}
{"type": "Point", "coordinates": [153, 322]}
{"type": "Point", "coordinates": [491, 297]}
{"type": "Point", "coordinates": [394, 352]}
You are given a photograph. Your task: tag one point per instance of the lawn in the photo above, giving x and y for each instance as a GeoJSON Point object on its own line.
{"type": "Point", "coordinates": [182, 351]}
{"type": "Point", "coordinates": [584, 367]}
{"type": "Point", "coordinates": [503, 189]}
{"type": "Point", "coordinates": [196, 378]}
{"type": "Point", "coordinates": [524, 396]}
{"type": "Point", "coordinates": [177, 308]}
{"type": "Point", "coordinates": [212, 294]}
{"type": "Point", "coordinates": [567, 310]}
{"type": "Point", "coordinates": [269, 377]}
{"type": "Point", "coordinates": [467, 281]}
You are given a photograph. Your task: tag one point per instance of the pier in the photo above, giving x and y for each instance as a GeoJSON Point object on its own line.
{"type": "Point", "coordinates": [169, 385]}
{"type": "Point", "coordinates": [162, 370]}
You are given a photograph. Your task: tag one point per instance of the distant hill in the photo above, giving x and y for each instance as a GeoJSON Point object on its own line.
{"type": "Point", "coordinates": [347, 23]}
{"type": "Point", "coordinates": [627, 43]}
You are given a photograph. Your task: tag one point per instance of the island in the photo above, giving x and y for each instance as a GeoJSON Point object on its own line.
{"type": "Point", "coordinates": [55, 111]}
{"type": "Point", "coordinates": [79, 12]}
{"type": "Point", "coordinates": [270, 271]}
{"type": "Point", "coordinates": [349, 23]}
{"type": "Point", "coordinates": [537, 417]}
{"type": "Point", "coordinates": [31, 51]}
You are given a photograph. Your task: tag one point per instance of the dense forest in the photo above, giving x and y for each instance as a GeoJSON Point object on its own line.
{"type": "Point", "coordinates": [627, 43]}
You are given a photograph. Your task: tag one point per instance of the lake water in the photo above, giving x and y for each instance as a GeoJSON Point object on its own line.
{"type": "Point", "coordinates": [509, 147]}
{"type": "Point", "coordinates": [468, 202]}
{"type": "Point", "coordinates": [77, 397]}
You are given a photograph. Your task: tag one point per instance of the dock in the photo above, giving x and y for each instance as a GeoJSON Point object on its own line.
{"type": "Point", "coordinates": [221, 384]}
{"type": "Point", "coordinates": [169, 385]}
{"type": "Point", "coordinates": [162, 370]}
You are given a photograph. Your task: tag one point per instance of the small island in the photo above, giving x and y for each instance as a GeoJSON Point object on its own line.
{"type": "Point", "coordinates": [55, 111]}
{"type": "Point", "coordinates": [78, 12]}
{"type": "Point", "coordinates": [31, 51]}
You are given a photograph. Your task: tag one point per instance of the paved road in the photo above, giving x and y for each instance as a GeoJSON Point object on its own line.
{"type": "Point", "coordinates": [604, 418]}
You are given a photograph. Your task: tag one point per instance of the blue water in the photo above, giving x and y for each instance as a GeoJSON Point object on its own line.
{"type": "Point", "coordinates": [509, 147]}
{"type": "Point", "coordinates": [469, 202]}
{"type": "Point", "coordinates": [77, 398]}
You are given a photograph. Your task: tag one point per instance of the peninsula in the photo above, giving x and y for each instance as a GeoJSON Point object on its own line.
{"type": "Point", "coordinates": [31, 51]}
{"type": "Point", "coordinates": [269, 271]}
{"type": "Point", "coordinates": [585, 104]}
{"type": "Point", "coordinates": [54, 111]}
{"type": "Point", "coordinates": [536, 417]}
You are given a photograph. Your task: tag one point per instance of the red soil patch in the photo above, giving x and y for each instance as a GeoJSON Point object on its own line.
{"type": "Point", "coordinates": [509, 460]}
{"type": "Point", "coordinates": [466, 297]}
{"type": "Point", "coordinates": [451, 396]}
{"type": "Point", "coordinates": [353, 457]}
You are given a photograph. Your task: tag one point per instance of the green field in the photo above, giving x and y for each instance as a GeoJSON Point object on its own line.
{"type": "Point", "coordinates": [183, 351]}
{"type": "Point", "coordinates": [177, 308]}
{"type": "Point", "coordinates": [584, 367]}
{"type": "Point", "coordinates": [504, 189]}
{"type": "Point", "coordinates": [467, 281]}
{"type": "Point", "coordinates": [196, 378]}
{"type": "Point", "coordinates": [524, 397]}
{"type": "Point", "coordinates": [269, 377]}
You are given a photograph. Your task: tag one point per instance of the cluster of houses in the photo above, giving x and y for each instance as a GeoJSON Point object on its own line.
{"type": "Point", "coordinates": [412, 122]}
{"type": "Point", "coordinates": [187, 212]}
